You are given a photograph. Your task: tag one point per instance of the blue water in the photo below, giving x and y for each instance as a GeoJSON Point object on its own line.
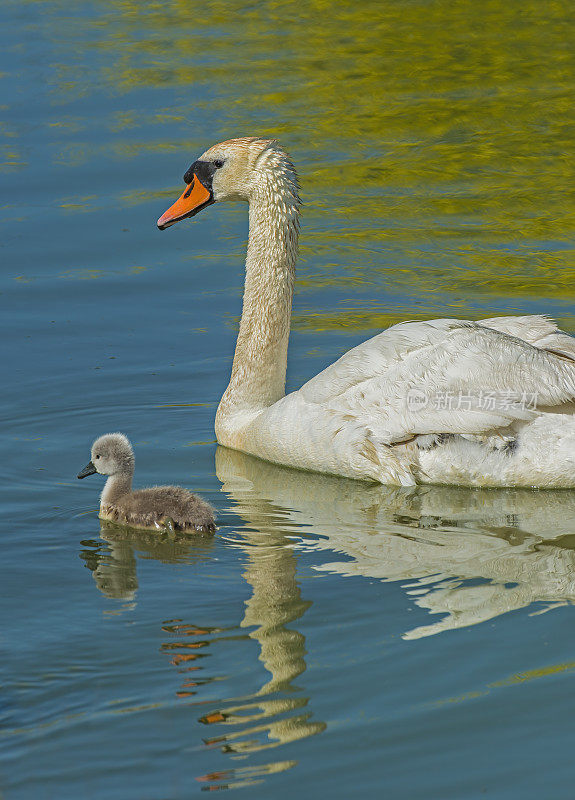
{"type": "Point", "coordinates": [332, 637]}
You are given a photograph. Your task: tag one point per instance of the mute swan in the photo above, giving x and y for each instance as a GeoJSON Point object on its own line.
{"type": "Point", "coordinates": [159, 508]}
{"type": "Point", "coordinates": [486, 403]}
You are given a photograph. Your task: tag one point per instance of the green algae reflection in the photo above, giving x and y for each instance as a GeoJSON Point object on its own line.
{"type": "Point", "coordinates": [434, 139]}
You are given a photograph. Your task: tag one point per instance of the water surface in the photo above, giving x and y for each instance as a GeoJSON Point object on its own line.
{"type": "Point", "coordinates": [332, 637]}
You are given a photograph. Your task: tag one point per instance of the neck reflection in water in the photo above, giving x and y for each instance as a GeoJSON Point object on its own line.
{"type": "Point", "coordinates": [278, 713]}
{"type": "Point", "coordinates": [468, 554]}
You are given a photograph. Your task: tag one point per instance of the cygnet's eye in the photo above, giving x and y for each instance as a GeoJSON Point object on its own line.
{"type": "Point", "coordinates": [97, 456]}
{"type": "Point", "coordinates": [218, 163]}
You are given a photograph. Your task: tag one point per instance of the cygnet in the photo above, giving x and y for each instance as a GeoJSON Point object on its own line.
{"type": "Point", "coordinates": [159, 508]}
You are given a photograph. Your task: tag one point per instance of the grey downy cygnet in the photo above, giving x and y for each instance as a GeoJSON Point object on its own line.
{"type": "Point", "coordinates": [159, 508]}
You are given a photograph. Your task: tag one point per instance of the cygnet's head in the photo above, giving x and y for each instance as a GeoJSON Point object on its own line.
{"type": "Point", "coordinates": [111, 454]}
{"type": "Point", "coordinates": [239, 169]}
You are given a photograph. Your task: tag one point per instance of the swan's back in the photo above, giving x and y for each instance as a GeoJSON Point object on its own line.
{"type": "Point", "coordinates": [167, 507]}
{"type": "Point", "coordinates": [493, 383]}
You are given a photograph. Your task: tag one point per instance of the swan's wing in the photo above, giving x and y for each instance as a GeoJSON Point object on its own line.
{"type": "Point", "coordinates": [540, 331]}
{"type": "Point", "coordinates": [443, 376]}
{"type": "Point", "coordinates": [376, 356]}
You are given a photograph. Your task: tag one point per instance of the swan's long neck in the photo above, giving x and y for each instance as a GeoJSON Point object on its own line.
{"type": "Point", "coordinates": [115, 487]}
{"type": "Point", "coordinates": [259, 366]}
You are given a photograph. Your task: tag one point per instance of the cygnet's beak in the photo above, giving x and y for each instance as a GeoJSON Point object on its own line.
{"type": "Point", "coordinates": [89, 469]}
{"type": "Point", "coordinates": [191, 201]}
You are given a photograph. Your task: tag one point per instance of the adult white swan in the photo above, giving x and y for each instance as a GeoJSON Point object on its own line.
{"type": "Point", "coordinates": [444, 401]}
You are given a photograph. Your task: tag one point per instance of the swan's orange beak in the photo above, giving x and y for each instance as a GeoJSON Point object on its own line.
{"type": "Point", "coordinates": [192, 200]}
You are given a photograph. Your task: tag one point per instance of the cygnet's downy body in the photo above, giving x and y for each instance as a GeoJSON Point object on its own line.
{"type": "Point", "coordinates": [159, 508]}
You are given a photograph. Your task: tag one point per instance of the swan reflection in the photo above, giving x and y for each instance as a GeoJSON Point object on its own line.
{"type": "Point", "coordinates": [437, 541]}
{"type": "Point", "coordinates": [464, 555]}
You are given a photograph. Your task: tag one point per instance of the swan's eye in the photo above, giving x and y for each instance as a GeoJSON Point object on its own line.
{"type": "Point", "coordinates": [97, 456]}
{"type": "Point", "coordinates": [218, 163]}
